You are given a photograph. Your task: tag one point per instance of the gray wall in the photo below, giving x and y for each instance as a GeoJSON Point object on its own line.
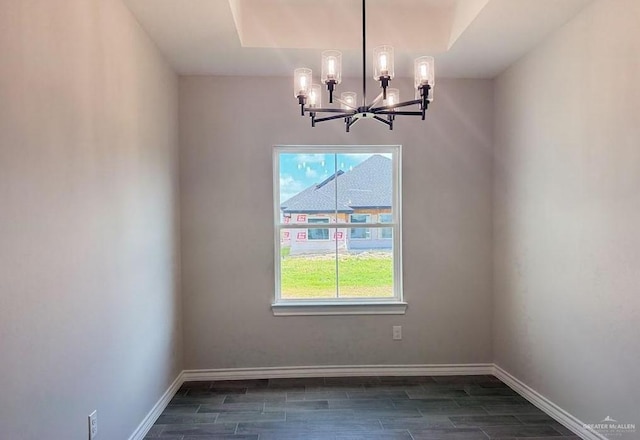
{"type": "Point", "coordinates": [89, 312]}
{"type": "Point", "coordinates": [567, 212]}
{"type": "Point", "coordinates": [227, 129]}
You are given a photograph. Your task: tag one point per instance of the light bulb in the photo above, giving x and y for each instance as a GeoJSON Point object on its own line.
{"type": "Point", "coordinates": [393, 98]}
{"type": "Point", "coordinates": [424, 72]}
{"type": "Point", "coordinates": [383, 62]}
{"type": "Point", "coordinates": [331, 66]}
{"type": "Point", "coordinates": [349, 100]}
{"type": "Point", "coordinates": [302, 82]}
{"type": "Point", "coordinates": [315, 96]}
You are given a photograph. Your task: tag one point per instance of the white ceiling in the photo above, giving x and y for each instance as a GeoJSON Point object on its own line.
{"type": "Point", "coordinates": [469, 38]}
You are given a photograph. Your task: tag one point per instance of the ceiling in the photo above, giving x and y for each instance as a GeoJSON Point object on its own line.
{"type": "Point", "coordinates": [469, 38]}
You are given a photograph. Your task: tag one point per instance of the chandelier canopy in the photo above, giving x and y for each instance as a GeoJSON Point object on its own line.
{"type": "Point", "coordinates": [384, 108]}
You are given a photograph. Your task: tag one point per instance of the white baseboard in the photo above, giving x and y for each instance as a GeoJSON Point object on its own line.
{"type": "Point", "coordinates": [157, 409]}
{"type": "Point", "coordinates": [547, 406]}
{"type": "Point", "coordinates": [339, 371]}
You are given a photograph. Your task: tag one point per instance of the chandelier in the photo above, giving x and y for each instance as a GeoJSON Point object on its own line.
{"type": "Point", "coordinates": [384, 108]}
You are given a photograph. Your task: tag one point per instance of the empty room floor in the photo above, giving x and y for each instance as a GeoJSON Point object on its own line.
{"type": "Point", "coordinates": [354, 408]}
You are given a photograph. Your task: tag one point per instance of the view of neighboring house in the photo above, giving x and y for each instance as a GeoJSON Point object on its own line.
{"type": "Point", "coordinates": [363, 195]}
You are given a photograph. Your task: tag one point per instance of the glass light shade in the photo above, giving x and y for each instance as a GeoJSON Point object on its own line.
{"type": "Point", "coordinates": [424, 71]}
{"type": "Point", "coordinates": [301, 82]}
{"type": "Point", "coordinates": [382, 62]}
{"type": "Point", "coordinates": [315, 96]}
{"type": "Point", "coordinates": [349, 98]}
{"type": "Point", "coordinates": [331, 66]}
{"type": "Point", "coordinates": [393, 97]}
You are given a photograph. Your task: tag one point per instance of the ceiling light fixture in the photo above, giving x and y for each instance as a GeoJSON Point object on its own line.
{"type": "Point", "coordinates": [310, 95]}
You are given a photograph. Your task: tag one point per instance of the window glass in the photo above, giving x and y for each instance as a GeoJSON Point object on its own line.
{"type": "Point", "coordinates": [310, 274]}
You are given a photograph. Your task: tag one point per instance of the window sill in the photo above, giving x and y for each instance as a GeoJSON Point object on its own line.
{"type": "Point", "coordinates": [309, 308]}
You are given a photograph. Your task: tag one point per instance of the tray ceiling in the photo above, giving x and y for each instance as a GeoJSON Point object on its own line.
{"type": "Point", "coordinates": [469, 38]}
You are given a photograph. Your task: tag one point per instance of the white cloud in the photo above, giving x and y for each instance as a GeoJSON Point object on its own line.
{"type": "Point", "coordinates": [288, 183]}
{"type": "Point", "coordinates": [289, 187]}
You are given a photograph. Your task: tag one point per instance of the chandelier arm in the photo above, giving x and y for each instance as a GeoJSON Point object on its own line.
{"type": "Point", "coordinates": [397, 113]}
{"type": "Point", "coordinates": [384, 121]}
{"type": "Point", "coordinates": [400, 104]}
{"type": "Point", "coordinates": [330, 118]}
{"type": "Point", "coordinates": [326, 110]}
{"type": "Point", "coordinates": [375, 101]}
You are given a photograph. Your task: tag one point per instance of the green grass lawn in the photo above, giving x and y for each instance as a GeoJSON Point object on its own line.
{"type": "Point", "coordinates": [315, 277]}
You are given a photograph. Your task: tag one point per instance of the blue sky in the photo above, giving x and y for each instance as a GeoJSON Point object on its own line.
{"type": "Point", "coordinates": [299, 171]}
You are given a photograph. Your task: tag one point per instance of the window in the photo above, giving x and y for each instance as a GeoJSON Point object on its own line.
{"type": "Point", "coordinates": [324, 265]}
{"type": "Point", "coordinates": [318, 234]}
{"type": "Point", "coordinates": [385, 233]}
{"type": "Point", "coordinates": [360, 233]}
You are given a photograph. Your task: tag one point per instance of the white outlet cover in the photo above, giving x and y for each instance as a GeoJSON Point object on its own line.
{"type": "Point", "coordinates": [397, 332]}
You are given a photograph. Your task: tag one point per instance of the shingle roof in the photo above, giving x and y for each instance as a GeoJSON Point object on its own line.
{"type": "Point", "coordinates": [367, 185]}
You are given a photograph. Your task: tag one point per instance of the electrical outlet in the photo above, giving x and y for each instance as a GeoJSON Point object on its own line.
{"type": "Point", "coordinates": [93, 425]}
{"type": "Point", "coordinates": [397, 332]}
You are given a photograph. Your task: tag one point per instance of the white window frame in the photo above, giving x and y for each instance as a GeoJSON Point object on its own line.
{"type": "Point", "coordinates": [337, 306]}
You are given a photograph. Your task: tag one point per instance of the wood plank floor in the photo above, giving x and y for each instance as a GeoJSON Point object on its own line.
{"type": "Point", "coordinates": [354, 408]}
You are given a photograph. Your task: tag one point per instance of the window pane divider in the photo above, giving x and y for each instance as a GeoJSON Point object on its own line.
{"type": "Point", "coordinates": [335, 213]}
